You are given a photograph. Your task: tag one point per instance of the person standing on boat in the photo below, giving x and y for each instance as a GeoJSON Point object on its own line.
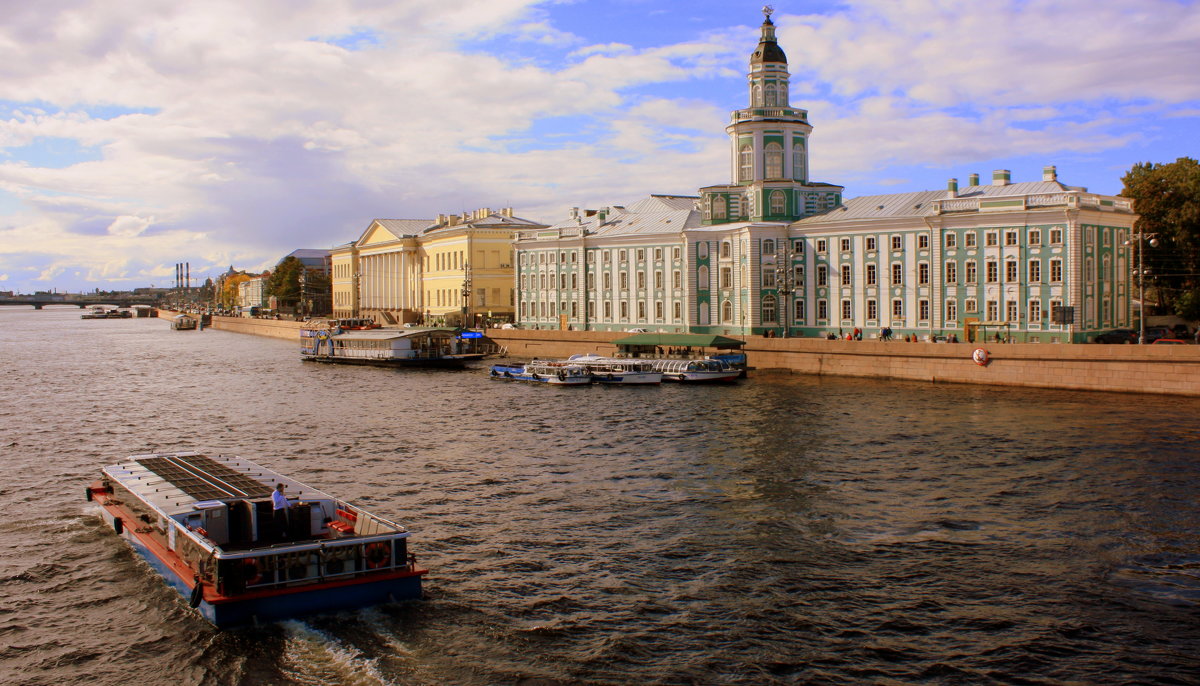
{"type": "Point", "coordinates": [280, 501]}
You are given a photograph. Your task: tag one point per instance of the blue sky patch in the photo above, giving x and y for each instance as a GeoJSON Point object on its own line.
{"type": "Point", "coordinates": [52, 153]}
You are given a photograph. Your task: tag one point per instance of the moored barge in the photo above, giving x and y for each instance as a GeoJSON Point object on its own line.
{"type": "Point", "coordinates": [207, 525]}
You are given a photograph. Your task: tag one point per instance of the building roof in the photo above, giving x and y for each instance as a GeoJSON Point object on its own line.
{"type": "Point", "coordinates": [405, 227]}
{"type": "Point", "coordinates": [654, 214]}
{"type": "Point", "coordinates": [920, 203]}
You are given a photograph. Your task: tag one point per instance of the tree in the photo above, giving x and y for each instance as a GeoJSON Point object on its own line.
{"type": "Point", "coordinates": [229, 290]}
{"type": "Point", "coordinates": [284, 283]}
{"type": "Point", "coordinates": [1167, 200]}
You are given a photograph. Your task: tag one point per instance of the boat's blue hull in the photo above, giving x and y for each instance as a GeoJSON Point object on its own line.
{"type": "Point", "coordinates": [315, 598]}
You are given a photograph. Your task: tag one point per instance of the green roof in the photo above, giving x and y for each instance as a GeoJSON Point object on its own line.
{"type": "Point", "coordinates": [694, 340]}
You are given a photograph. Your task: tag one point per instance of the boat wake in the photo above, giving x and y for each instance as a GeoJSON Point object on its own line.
{"type": "Point", "coordinates": [311, 656]}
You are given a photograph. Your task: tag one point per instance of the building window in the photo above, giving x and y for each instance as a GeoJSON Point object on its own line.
{"type": "Point", "coordinates": [607, 310]}
{"type": "Point", "coordinates": [1035, 311]}
{"type": "Point", "coordinates": [621, 256]}
{"type": "Point", "coordinates": [822, 310]}
{"type": "Point", "coordinates": [675, 253]}
{"type": "Point", "coordinates": [768, 247]}
{"type": "Point", "coordinates": [658, 280]}
{"type": "Point", "coordinates": [624, 310]}
{"type": "Point", "coordinates": [768, 278]}
{"type": "Point", "coordinates": [641, 255]}
{"type": "Point", "coordinates": [822, 275]}
{"type": "Point", "coordinates": [897, 309]}
{"type": "Point", "coordinates": [798, 161]}
{"type": "Point", "coordinates": [1035, 271]}
{"type": "Point", "coordinates": [768, 309]}
{"type": "Point", "coordinates": [1010, 237]}
{"type": "Point", "coordinates": [872, 310]}
{"type": "Point", "coordinates": [846, 275]}
{"type": "Point", "coordinates": [591, 281]}
{"type": "Point", "coordinates": [1056, 275]}
{"type": "Point", "coordinates": [923, 241]}
{"type": "Point", "coordinates": [574, 310]}
{"type": "Point", "coordinates": [1089, 267]}
{"type": "Point", "coordinates": [798, 311]}
{"type": "Point", "coordinates": [992, 239]}
{"type": "Point", "coordinates": [676, 279]}
{"type": "Point", "coordinates": [846, 310]}
{"type": "Point", "coordinates": [993, 271]}
{"type": "Point", "coordinates": [774, 161]}
{"type": "Point", "coordinates": [969, 239]}
{"type": "Point", "coordinates": [993, 310]}
{"type": "Point", "coordinates": [726, 249]}
{"type": "Point", "coordinates": [641, 310]}
{"type": "Point", "coordinates": [746, 164]}
{"type": "Point", "coordinates": [845, 245]}
{"type": "Point", "coordinates": [677, 309]}
{"type": "Point", "coordinates": [897, 273]}
{"type": "Point", "coordinates": [951, 272]}
{"type": "Point", "coordinates": [1010, 311]}
{"type": "Point", "coordinates": [591, 257]}
{"type": "Point", "coordinates": [1056, 236]}
{"type": "Point", "coordinates": [897, 242]}
{"type": "Point", "coordinates": [972, 271]}
{"type": "Point", "coordinates": [778, 203]}
{"type": "Point", "coordinates": [726, 277]}
{"type": "Point", "coordinates": [574, 281]}
{"type": "Point", "coordinates": [624, 278]}
{"type": "Point", "coordinates": [1010, 271]}
{"type": "Point", "coordinates": [1035, 237]}
{"type": "Point", "coordinates": [822, 245]}
{"type": "Point", "coordinates": [923, 310]}
{"type": "Point", "coordinates": [771, 100]}
{"type": "Point", "coordinates": [951, 240]}
{"type": "Point", "coordinates": [727, 312]}
{"type": "Point", "coordinates": [658, 310]}
{"type": "Point", "coordinates": [871, 269]}
{"type": "Point", "coordinates": [718, 207]}
{"type": "Point", "coordinates": [870, 243]}
{"type": "Point", "coordinates": [951, 310]}
{"type": "Point", "coordinates": [607, 281]}
{"type": "Point", "coordinates": [923, 274]}
{"type": "Point", "coordinates": [641, 280]}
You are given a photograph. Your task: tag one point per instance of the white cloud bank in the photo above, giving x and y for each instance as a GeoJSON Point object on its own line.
{"type": "Point", "coordinates": [231, 133]}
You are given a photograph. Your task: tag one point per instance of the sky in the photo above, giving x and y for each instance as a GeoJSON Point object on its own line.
{"type": "Point", "coordinates": [135, 135]}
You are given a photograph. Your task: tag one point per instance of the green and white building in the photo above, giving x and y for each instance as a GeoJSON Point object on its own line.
{"type": "Point", "coordinates": [774, 253]}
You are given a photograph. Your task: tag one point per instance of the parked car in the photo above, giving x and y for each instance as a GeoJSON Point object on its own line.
{"type": "Point", "coordinates": [1127, 336]}
{"type": "Point", "coordinates": [1169, 341]}
{"type": "Point", "coordinates": [1180, 331]}
{"type": "Point", "coordinates": [636, 330]}
{"type": "Point", "coordinates": [1153, 333]}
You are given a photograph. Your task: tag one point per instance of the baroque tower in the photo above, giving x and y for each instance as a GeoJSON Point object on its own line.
{"type": "Point", "coordinates": [768, 150]}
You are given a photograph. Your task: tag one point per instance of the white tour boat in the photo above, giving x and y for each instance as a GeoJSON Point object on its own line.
{"type": "Point", "coordinates": [552, 373]}
{"type": "Point", "coordinates": [693, 371]}
{"type": "Point", "coordinates": [618, 370]}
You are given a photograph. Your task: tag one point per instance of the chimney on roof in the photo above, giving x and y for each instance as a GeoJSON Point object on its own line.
{"type": "Point", "coordinates": [441, 219]}
{"type": "Point", "coordinates": [575, 213]}
{"type": "Point", "coordinates": [1050, 173]}
{"type": "Point", "coordinates": [602, 214]}
{"type": "Point", "coordinates": [952, 188]}
{"type": "Point", "coordinates": [1001, 177]}
{"type": "Point", "coordinates": [452, 220]}
{"type": "Point", "coordinates": [506, 212]}
{"type": "Point", "coordinates": [973, 180]}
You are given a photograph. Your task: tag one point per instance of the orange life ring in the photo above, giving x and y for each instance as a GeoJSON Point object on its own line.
{"type": "Point", "coordinates": [250, 571]}
{"type": "Point", "coordinates": [377, 555]}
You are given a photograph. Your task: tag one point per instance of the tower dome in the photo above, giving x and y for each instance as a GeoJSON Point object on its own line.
{"type": "Point", "coordinates": [768, 49]}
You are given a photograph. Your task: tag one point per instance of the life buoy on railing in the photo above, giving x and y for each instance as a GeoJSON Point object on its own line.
{"type": "Point", "coordinates": [535, 376]}
{"type": "Point", "coordinates": [377, 555]}
{"type": "Point", "coordinates": [250, 571]}
{"type": "Point", "coordinates": [562, 376]}
{"type": "Point", "coordinates": [980, 357]}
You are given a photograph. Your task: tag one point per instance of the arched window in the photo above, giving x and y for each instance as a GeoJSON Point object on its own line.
{"type": "Point", "coordinates": [702, 250]}
{"type": "Point", "coordinates": [769, 246]}
{"type": "Point", "coordinates": [778, 203]}
{"type": "Point", "coordinates": [702, 278]}
{"type": "Point", "coordinates": [758, 96]}
{"type": "Point", "coordinates": [727, 312]}
{"type": "Point", "coordinates": [768, 309]}
{"type": "Point", "coordinates": [718, 207]}
{"type": "Point", "coordinates": [726, 249]}
{"type": "Point", "coordinates": [798, 161]}
{"type": "Point", "coordinates": [783, 97]}
{"type": "Point", "coordinates": [708, 207]}
{"type": "Point", "coordinates": [746, 163]}
{"type": "Point", "coordinates": [774, 160]}
{"type": "Point", "coordinates": [771, 101]}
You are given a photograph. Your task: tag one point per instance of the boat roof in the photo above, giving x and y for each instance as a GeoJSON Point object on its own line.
{"type": "Point", "coordinates": [178, 482]}
{"type": "Point", "coordinates": [388, 334]}
{"type": "Point", "coordinates": [694, 340]}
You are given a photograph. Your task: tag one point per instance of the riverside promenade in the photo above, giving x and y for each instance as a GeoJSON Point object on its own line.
{"type": "Point", "coordinates": [1166, 369]}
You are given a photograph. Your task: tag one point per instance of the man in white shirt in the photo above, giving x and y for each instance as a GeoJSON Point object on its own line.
{"type": "Point", "coordinates": [280, 501]}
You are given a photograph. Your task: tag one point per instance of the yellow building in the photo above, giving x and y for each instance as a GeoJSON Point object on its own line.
{"type": "Point", "coordinates": [453, 270]}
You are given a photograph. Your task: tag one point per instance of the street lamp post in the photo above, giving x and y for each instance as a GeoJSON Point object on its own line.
{"type": "Point", "coordinates": [466, 293]}
{"type": "Point", "coordinates": [785, 282]}
{"type": "Point", "coordinates": [1141, 272]}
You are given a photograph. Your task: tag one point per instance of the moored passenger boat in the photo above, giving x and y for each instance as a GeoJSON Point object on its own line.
{"type": "Point", "coordinates": [618, 370]}
{"type": "Point", "coordinates": [698, 370]}
{"type": "Point", "coordinates": [325, 341]}
{"type": "Point", "coordinates": [184, 322]}
{"type": "Point", "coordinates": [206, 524]}
{"type": "Point", "coordinates": [553, 373]}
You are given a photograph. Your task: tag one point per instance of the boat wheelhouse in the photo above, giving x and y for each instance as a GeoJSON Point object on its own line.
{"type": "Point", "coordinates": [552, 373]}
{"type": "Point", "coordinates": [184, 322]}
{"type": "Point", "coordinates": [320, 342]}
{"type": "Point", "coordinates": [618, 370]}
{"type": "Point", "coordinates": [206, 524]}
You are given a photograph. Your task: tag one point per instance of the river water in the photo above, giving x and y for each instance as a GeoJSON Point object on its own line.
{"type": "Point", "coordinates": [786, 529]}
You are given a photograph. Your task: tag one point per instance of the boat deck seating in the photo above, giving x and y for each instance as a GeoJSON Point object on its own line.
{"type": "Point", "coordinates": [345, 522]}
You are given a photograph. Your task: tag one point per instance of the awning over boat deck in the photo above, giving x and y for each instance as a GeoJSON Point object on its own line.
{"type": "Point", "coordinates": [681, 340]}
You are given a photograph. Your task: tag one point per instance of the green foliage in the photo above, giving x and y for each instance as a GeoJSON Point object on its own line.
{"type": "Point", "coordinates": [284, 283]}
{"type": "Point", "coordinates": [1167, 198]}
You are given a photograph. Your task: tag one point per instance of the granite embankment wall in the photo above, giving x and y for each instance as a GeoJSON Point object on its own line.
{"type": "Point", "coordinates": [1164, 369]}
